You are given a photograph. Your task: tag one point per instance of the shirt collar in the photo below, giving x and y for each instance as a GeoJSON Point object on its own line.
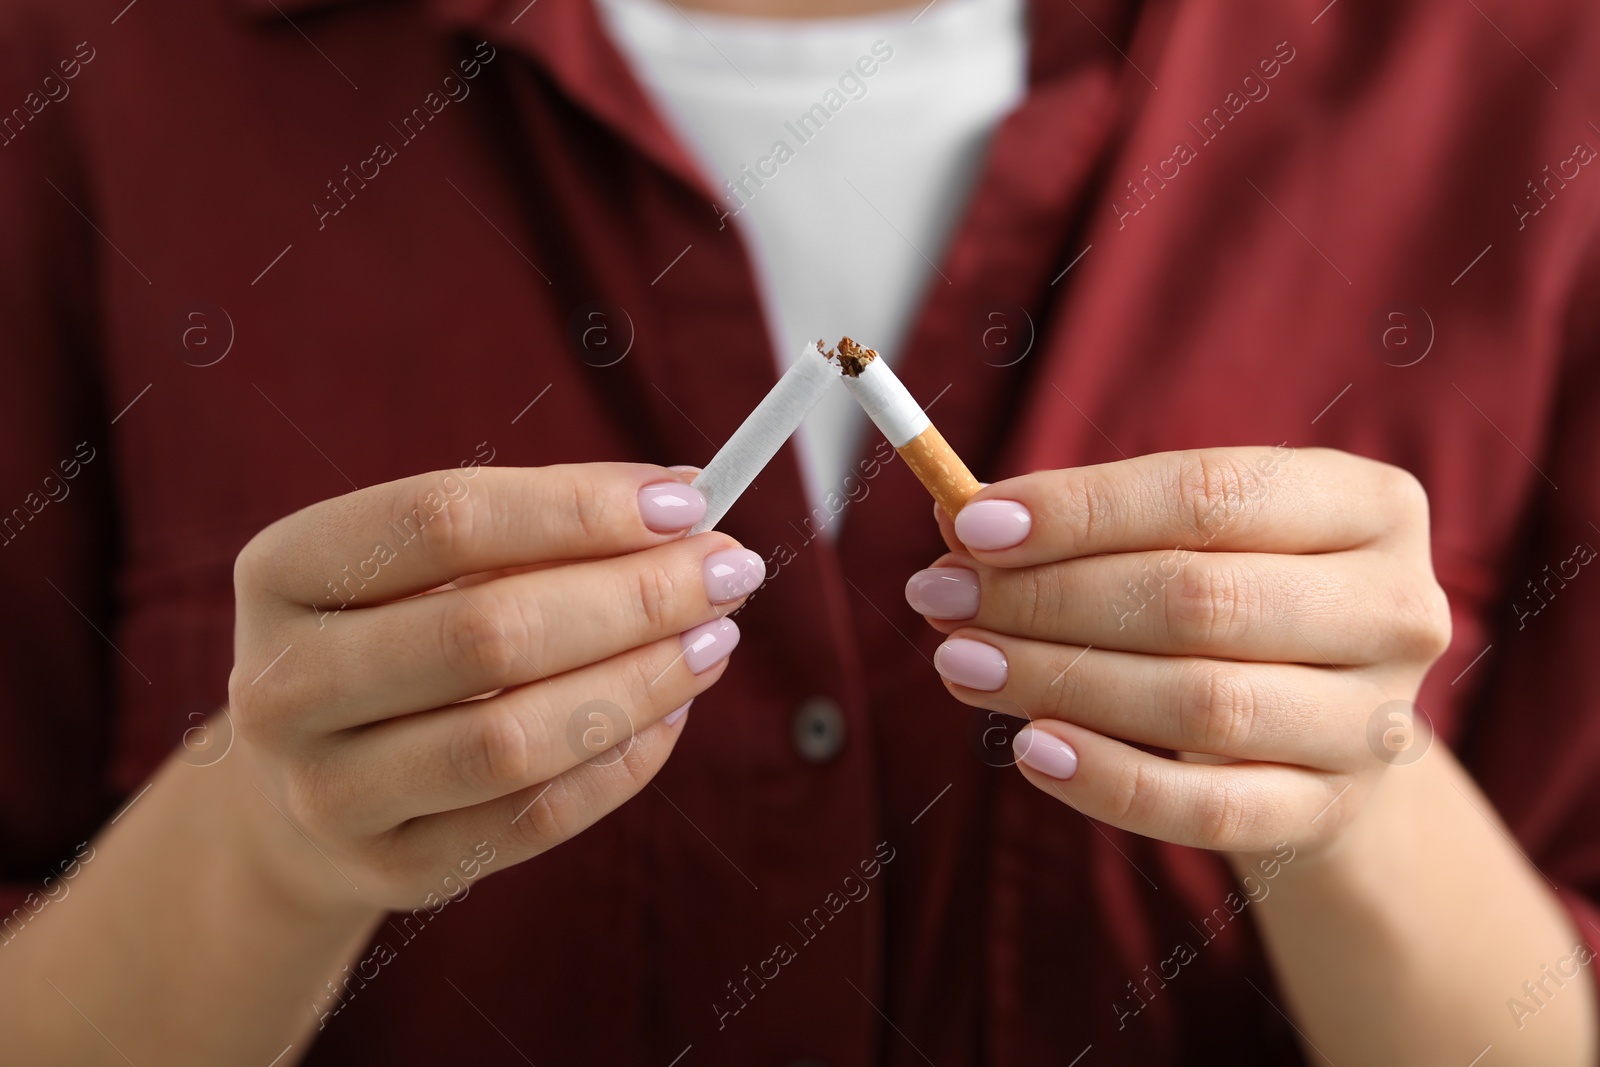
{"type": "Point", "coordinates": [1057, 38]}
{"type": "Point", "coordinates": [566, 40]}
{"type": "Point", "coordinates": [569, 42]}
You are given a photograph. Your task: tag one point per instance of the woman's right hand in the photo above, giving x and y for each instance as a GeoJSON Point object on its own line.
{"type": "Point", "coordinates": [495, 655]}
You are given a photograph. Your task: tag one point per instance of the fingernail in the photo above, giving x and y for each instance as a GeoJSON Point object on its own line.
{"type": "Point", "coordinates": [668, 507]}
{"type": "Point", "coordinates": [944, 593]}
{"type": "Point", "coordinates": [1045, 753]}
{"type": "Point", "coordinates": [708, 644]}
{"type": "Point", "coordinates": [733, 573]}
{"type": "Point", "coordinates": [989, 525]}
{"type": "Point", "coordinates": [684, 468]}
{"type": "Point", "coordinates": [673, 717]}
{"type": "Point", "coordinates": [972, 664]}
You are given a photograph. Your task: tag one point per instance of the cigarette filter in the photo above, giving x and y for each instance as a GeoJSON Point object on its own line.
{"type": "Point", "coordinates": [901, 419]}
{"type": "Point", "coordinates": [762, 433]}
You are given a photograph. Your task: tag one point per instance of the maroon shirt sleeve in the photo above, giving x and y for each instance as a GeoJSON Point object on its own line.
{"type": "Point", "coordinates": [55, 507]}
{"type": "Point", "coordinates": [1534, 745]}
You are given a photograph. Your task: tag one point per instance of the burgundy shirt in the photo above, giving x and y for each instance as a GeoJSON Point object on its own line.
{"type": "Point", "coordinates": [1370, 227]}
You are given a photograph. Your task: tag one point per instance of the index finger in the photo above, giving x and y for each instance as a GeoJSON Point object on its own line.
{"type": "Point", "coordinates": [403, 537]}
{"type": "Point", "coordinates": [1261, 499]}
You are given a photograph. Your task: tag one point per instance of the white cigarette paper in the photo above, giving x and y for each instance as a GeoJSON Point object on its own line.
{"type": "Point", "coordinates": [763, 432]}
{"type": "Point", "coordinates": [889, 404]}
{"type": "Point", "coordinates": [902, 420]}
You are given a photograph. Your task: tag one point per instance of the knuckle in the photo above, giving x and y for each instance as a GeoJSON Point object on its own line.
{"type": "Point", "coordinates": [252, 566]}
{"type": "Point", "coordinates": [1423, 628]}
{"type": "Point", "coordinates": [1224, 816]}
{"type": "Point", "coordinates": [257, 709]}
{"type": "Point", "coordinates": [639, 678]}
{"type": "Point", "coordinates": [1067, 691]}
{"type": "Point", "coordinates": [1093, 498]}
{"type": "Point", "coordinates": [1219, 712]}
{"type": "Point", "coordinates": [567, 805]}
{"type": "Point", "coordinates": [586, 505]}
{"type": "Point", "coordinates": [637, 763]}
{"type": "Point", "coordinates": [242, 703]}
{"type": "Point", "coordinates": [248, 727]}
{"type": "Point", "coordinates": [551, 817]}
{"type": "Point", "coordinates": [1040, 597]}
{"type": "Point", "coordinates": [1405, 492]}
{"type": "Point", "coordinates": [1212, 491]}
{"type": "Point", "coordinates": [656, 594]}
{"type": "Point", "coordinates": [643, 692]}
{"type": "Point", "coordinates": [1209, 603]}
{"type": "Point", "coordinates": [1135, 794]}
{"type": "Point", "coordinates": [490, 748]}
{"type": "Point", "coordinates": [446, 524]}
{"type": "Point", "coordinates": [1442, 626]}
{"type": "Point", "coordinates": [485, 637]}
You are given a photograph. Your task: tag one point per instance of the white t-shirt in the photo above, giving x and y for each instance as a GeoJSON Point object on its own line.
{"type": "Point", "coordinates": [844, 149]}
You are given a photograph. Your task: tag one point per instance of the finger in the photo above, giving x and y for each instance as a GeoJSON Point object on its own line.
{"type": "Point", "coordinates": [1233, 807]}
{"type": "Point", "coordinates": [400, 538]}
{"type": "Point", "coordinates": [1235, 499]}
{"type": "Point", "coordinates": [428, 651]}
{"type": "Point", "coordinates": [947, 528]}
{"type": "Point", "coordinates": [1339, 608]}
{"type": "Point", "coordinates": [537, 818]}
{"type": "Point", "coordinates": [1283, 713]}
{"type": "Point", "coordinates": [469, 753]}
{"type": "Point", "coordinates": [467, 581]}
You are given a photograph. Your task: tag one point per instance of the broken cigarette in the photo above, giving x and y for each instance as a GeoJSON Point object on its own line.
{"type": "Point", "coordinates": [762, 433]}
{"type": "Point", "coordinates": [901, 419]}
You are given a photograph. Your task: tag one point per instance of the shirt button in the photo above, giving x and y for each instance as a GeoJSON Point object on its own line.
{"type": "Point", "coordinates": [819, 729]}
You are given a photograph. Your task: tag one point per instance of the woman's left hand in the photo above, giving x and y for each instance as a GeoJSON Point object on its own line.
{"type": "Point", "coordinates": [1254, 611]}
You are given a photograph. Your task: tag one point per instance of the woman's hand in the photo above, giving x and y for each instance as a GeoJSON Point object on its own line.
{"type": "Point", "coordinates": [433, 679]}
{"type": "Point", "coordinates": [1267, 615]}
{"type": "Point", "coordinates": [471, 663]}
{"type": "Point", "coordinates": [1248, 608]}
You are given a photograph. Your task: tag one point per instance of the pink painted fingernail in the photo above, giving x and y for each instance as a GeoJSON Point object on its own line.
{"type": "Point", "coordinates": [733, 573]}
{"type": "Point", "coordinates": [989, 525]}
{"type": "Point", "coordinates": [668, 507]}
{"type": "Point", "coordinates": [708, 644]}
{"type": "Point", "coordinates": [1045, 753]}
{"type": "Point", "coordinates": [943, 593]}
{"type": "Point", "coordinates": [673, 717]}
{"type": "Point", "coordinates": [972, 664]}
